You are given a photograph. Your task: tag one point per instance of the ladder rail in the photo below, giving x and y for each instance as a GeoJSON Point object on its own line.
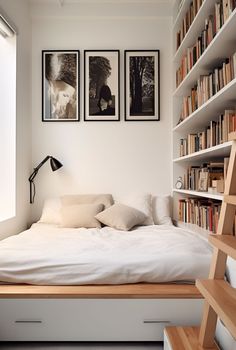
{"type": "Point", "coordinates": [219, 258]}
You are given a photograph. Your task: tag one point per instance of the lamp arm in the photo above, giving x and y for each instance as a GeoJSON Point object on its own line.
{"type": "Point", "coordinates": [40, 164]}
{"type": "Point", "coordinates": [34, 173]}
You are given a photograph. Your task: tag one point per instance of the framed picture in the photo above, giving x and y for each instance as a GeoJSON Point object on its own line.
{"type": "Point", "coordinates": [101, 85]}
{"type": "Point", "coordinates": [60, 85]}
{"type": "Point", "coordinates": [142, 85]}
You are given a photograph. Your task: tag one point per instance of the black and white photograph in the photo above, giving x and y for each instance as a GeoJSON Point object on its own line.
{"type": "Point", "coordinates": [142, 85]}
{"type": "Point", "coordinates": [101, 85]}
{"type": "Point", "coordinates": [60, 85]}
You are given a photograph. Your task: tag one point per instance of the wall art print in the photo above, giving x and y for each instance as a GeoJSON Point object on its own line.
{"type": "Point", "coordinates": [101, 85]}
{"type": "Point", "coordinates": [60, 85]}
{"type": "Point", "coordinates": [142, 85]}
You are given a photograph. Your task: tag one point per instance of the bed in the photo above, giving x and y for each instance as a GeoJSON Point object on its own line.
{"type": "Point", "coordinates": [50, 255]}
{"type": "Point", "coordinates": [100, 283]}
{"type": "Point", "coordinates": [124, 302]}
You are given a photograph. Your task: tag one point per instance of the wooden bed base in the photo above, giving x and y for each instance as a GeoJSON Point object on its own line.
{"type": "Point", "coordinates": [125, 291]}
{"type": "Point", "coordinates": [131, 312]}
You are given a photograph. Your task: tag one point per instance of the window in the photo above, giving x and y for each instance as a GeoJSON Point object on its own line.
{"type": "Point", "coordinates": [7, 122]}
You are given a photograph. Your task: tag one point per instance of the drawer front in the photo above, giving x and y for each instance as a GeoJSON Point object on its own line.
{"type": "Point", "coordinates": [94, 319]}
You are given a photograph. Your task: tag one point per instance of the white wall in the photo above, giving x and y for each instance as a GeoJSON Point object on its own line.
{"type": "Point", "coordinates": [18, 12]}
{"type": "Point", "coordinates": [115, 157]}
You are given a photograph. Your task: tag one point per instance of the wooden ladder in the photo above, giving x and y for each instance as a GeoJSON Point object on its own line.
{"type": "Point", "coordinates": [220, 297]}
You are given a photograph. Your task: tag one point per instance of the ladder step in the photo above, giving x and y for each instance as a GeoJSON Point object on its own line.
{"type": "Point", "coordinates": [232, 136]}
{"type": "Point", "coordinates": [226, 243]}
{"type": "Point", "coordinates": [222, 298]}
{"type": "Point", "coordinates": [184, 338]}
{"type": "Point", "coordinates": [230, 199]}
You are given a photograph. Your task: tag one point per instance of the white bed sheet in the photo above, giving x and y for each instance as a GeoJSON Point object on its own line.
{"type": "Point", "coordinates": [49, 255]}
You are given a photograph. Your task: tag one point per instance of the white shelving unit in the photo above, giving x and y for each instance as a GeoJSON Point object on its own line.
{"type": "Point", "coordinates": [210, 195]}
{"type": "Point", "coordinates": [222, 46]}
{"type": "Point", "coordinates": [196, 26]}
{"type": "Point", "coordinates": [209, 58]}
{"type": "Point", "coordinates": [224, 99]}
{"type": "Point", "coordinates": [216, 152]}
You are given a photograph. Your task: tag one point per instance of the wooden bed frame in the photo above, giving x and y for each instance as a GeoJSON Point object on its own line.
{"type": "Point", "coordinates": [132, 312]}
{"type": "Point", "coordinates": [125, 291]}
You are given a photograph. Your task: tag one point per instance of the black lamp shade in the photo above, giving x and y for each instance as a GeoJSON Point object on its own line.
{"type": "Point", "coordinates": [55, 164]}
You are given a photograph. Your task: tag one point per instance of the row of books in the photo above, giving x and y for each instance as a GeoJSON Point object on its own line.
{"type": "Point", "coordinates": [187, 21]}
{"type": "Point", "coordinates": [216, 133]}
{"type": "Point", "coordinates": [213, 24]}
{"type": "Point", "coordinates": [208, 177]}
{"type": "Point", "coordinates": [209, 85]}
{"type": "Point", "coordinates": [202, 212]}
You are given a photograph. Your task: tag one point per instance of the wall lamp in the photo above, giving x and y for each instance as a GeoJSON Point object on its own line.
{"type": "Point", "coordinates": [6, 30]}
{"type": "Point", "coordinates": [55, 165]}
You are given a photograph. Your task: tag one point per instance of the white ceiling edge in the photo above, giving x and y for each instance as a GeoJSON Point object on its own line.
{"type": "Point", "coordinates": [101, 8]}
{"type": "Point", "coordinates": [64, 2]}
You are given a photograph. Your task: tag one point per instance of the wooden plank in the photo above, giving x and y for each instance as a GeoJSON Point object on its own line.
{"type": "Point", "coordinates": [230, 199]}
{"type": "Point", "coordinates": [185, 338]}
{"type": "Point", "coordinates": [226, 243]}
{"type": "Point", "coordinates": [226, 219]}
{"type": "Point", "coordinates": [232, 136]}
{"type": "Point", "coordinates": [208, 326]}
{"type": "Point", "coordinates": [125, 291]}
{"type": "Point", "coordinates": [222, 298]}
{"type": "Point", "coordinates": [230, 183]}
{"type": "Point", "coordinates": [218, 264]}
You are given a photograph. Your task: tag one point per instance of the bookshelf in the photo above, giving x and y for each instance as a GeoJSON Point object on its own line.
{"type": "Point", "coordinates": [196, 26]}
{"type": "Point", "coordinates": [212, 56]}
{"type": "Point", "coordinates": [222, 46]}
{"type": "Point", "coordinates": [214, 106]}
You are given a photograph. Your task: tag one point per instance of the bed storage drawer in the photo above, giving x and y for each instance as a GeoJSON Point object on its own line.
{"type": "Point", "coordinates": [94, 319]}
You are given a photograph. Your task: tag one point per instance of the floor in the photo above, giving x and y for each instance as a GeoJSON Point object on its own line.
{"type": "Point", "coordinates": [81, 346]}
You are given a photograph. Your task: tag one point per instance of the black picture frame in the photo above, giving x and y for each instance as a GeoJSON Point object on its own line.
{"type": "Point", "coordinates": [102, 92]}
{"type": "Point", "coordinates": [60, 85]}
{"type": "Point", "coordinates": [149, 85]}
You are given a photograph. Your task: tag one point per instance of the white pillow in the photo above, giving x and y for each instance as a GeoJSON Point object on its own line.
{"type": "Point", "coordinates": [141, 202]}
{"type": "Point", "coordinates": [51, 213]}
{"type": "Point", "coordinates": [161, 210]}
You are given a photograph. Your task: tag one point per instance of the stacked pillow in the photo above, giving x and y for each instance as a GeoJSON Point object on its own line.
{"type": "Point", "coordinates": [92, 210]}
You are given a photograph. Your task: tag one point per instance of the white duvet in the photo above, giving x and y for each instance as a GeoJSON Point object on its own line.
{"type": "Point", "coordinates": [46, 254]}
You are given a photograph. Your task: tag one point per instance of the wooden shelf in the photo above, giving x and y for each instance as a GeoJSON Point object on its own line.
{"type": "Point", "coordinates": [218, 151]}
{"type": "Point", "coordinates": [230, 199]}
{"type": "Point", "coordinates": [222, 298]}
{"type": "Point", "coordinates": [185, 338]}
{"type": "Point", "coordinates": [196, 27]}
{"type": "Point", "coordinates": [214, 54]}
{"type": "Point", "coordinates": [210, 195]}
{"type": "Point", "coordinates": [226, 243]}
{"type": "Point", "coordinates": [210, 109]}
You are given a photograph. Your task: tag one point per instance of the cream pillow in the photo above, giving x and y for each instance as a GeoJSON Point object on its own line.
{"type": "Point", "coordinates": [51, 213]}
{"type": "Point", "coordinates": [141, 202]}
{"type": "Point", "coordinates": [105, 199]}
{"type": "Point", "coordinates": [82, 215]}
{"type": "Point", "coordinates": [121, 217]}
